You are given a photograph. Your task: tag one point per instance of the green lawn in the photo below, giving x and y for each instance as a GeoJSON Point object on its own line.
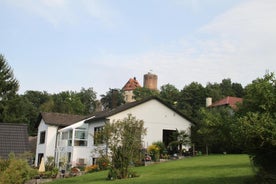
{"type": "Point", "coordinates": [214, 169]}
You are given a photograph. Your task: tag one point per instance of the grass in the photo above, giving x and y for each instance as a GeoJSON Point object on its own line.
{"type": "Point", "coordinates": [214, 169]}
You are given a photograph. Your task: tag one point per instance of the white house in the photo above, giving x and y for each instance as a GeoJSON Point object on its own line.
{"type": "Point", "coordinates": [75, 142]}
{"type": "Point", "coordinates": [49, 124]}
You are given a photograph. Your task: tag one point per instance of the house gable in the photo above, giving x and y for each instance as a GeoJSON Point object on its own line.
{"type": "Point", "coordinates": [157, 117]}
{"type": "Point", "coordinates": [108, 113]}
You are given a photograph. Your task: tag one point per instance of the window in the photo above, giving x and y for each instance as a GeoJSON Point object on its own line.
{"type": "Point", "coordinates": [42, 137]}
{"type": "Point", "coordinates": [80, 137]}
{"type": "Point", "coordinates": [64, 136]}
{"type": "Point", "coordinates": [98, 136]}
{"type": "Point", "coordinates": [67, 136]}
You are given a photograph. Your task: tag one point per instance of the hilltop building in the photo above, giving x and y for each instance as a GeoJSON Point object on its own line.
{"type": "Point", "coordinates": [150, 82]}
{"type": "Point", "coordinates": [128, 88]}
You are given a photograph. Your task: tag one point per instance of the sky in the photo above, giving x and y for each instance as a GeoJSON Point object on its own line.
{"type": "Point", "coordinates": [66, 45]}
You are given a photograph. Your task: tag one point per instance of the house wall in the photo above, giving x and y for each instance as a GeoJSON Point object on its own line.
{"type": "Point", "coordinates": [81, 152]}
{"type": "Point", "coordinates": [48, 148]}
{"type": "Point", "coordinates": [156, 117]}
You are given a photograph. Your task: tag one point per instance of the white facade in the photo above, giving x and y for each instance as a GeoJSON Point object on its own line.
{"type": "Point", "coordinates": [72, 145]}
{"type": "Point", "coordinates": [45, 148]}
{"type": "Point", "coordinates": [156, 116]}
{"type": "Point", "coordinates": [76, 142]}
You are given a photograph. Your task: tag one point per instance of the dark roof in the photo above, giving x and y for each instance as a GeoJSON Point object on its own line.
{"type": "Point", "coordinates": [107, 113]}
{"type": "Point", "coordinates": [131, 84]}
{"type": "Point", "coordinates": [13, 138]}
{"type": "Point", "coordinates": [228, 101]}
{"type": "Point", "coordinates": [60, 119]}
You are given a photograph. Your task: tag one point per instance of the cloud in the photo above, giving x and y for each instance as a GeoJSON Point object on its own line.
{"type": "Point", "coordinates": [60, 12]}
{"type": "Point", "coordinates": [251, 25]}
{"type": "Point", "coordinates": [238, 44]}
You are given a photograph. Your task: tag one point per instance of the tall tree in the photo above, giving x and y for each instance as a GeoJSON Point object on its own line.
{"type": "Point", "coordinates": [191, 99]}
{"type": "Point", "coordinates": [68, 102]}
{"type": "Point", "coordinates": [169, 93]}
{"type": "Point", "coordinates": [8, 83]}
{"type": "Point", "coordinates": [88, 97]}
{"type": "Point", "coordinates": [226, 87]}
{"type": "Point", "coordinates": [214, 91]}
{"type": "Point", "coordinates": [112, 99]}
{"type": "Point", "coordinates": [256, 127]}
{"type": "Point", "coordinates": [216, 130]}
{"type": "Point", "coordinates": [141, 93]}
{"type": "Point", "coordinates": [8, 88]}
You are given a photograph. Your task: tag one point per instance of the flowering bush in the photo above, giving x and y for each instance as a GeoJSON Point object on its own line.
{"type": "Point", "coordinates": [91, 168]}
{"type": "Point", "coordinates": [154, 152]}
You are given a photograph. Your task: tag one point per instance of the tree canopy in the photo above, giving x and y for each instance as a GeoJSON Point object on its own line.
{"type": "Point", "coordinates": [256, 127]}
{"type": "Point", "coordinates": [8, 88]}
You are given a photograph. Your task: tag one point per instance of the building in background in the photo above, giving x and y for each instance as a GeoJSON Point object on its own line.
{"type": "Point", "coordinates": [128, 89]}
{"type": "Point", "coordinates": [150, 82]}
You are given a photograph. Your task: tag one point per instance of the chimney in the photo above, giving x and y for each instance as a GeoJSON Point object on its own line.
{"type": "Point", "coordinates": [208, 101]}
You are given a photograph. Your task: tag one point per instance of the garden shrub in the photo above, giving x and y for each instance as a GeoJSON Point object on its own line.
{"type": "Point", "coordinates": [91, 168]}
{"type": "Point", "coordinates": [103, 162]}
{"type": "Point", "coordinates": [4, 164]}
{"type": "Point", "coordinates": [154, 152]}
{"type": "Point", "coordinates": [18, 172]}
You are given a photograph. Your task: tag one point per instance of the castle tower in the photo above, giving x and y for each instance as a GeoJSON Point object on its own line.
{"type": "Point", "coordinates": [150, 81]}
{"type": "Point", "coordinates": [128, 89]}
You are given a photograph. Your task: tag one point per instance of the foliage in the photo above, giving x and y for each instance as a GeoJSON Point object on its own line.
{"type": "Point", "coordinates": [4, 164]}
{"type": "Point", "coordinates": [50, 173]}
{"type": "Point", "coordinates": [154, 152]}
{"type": "Point", "coordinates": [88, 98]}
{"type": "Point", "coordinates": [8, 83]}
{"type": "Point", "coordinates": [124, 140]}
{"type": "Point", "coordinates": [50, 163]}
{"type": "Point", "coordinates": [103, 162]}
{"type": "Point", "coordinates": [256, 126]}
{"type": "Point", "coordinates": [162, 148]}
{"type": "Point", "coordinates": [180, 138]}
{"type": "Point", "coordinates": [8, 88]}
{"type": "Point", "coordinates": [143, 92]}
{"type": "Point", "coordinates": [16, 171]}
{"type": "Point", "coordinates": [91, 168]}
{"type": "Point", "coordinates": [216, 129]}
{"type": "Point", "coordinates": [191, 99]}
{"type": "Point", "coordinates": [169, 94]}
{"type": "Point", "coordinates": [112, 99]}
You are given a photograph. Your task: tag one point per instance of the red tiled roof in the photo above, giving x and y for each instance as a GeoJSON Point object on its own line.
{"type": "Point", "coordinates": [229, 100]}
{"type": "Point", "coordinates": [131, 84]}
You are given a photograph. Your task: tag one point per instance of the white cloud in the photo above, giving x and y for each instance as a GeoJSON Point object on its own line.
{"type": "Point", "coordinates": [62, 12]}
{"type": "Point", "coordinates": [239, 44]}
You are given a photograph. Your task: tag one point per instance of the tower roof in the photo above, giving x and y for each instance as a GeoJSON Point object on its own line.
{"type": "Point", "coordinates": [131, 84]}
